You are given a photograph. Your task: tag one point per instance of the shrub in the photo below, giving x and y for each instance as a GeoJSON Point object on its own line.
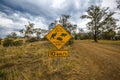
{"type": "Point", "coordinates": [10, 42]}
{"type": "Point", "coordinates": [12, 35]}
{"type": "Point", "coordinates": [83, 36]}
{"type": "Point", "coordinates": [7, 42]}
{"type": "Point", "coordinates": [18, 43]}
{"type": "Point", "coordinates": [117, 37]}
{"type": "Point", "coordinates": [2, 75]}
{"type": "Point", "coordinates": [0, 41]}
{"type": "Point", "coordinates": [32, 40]}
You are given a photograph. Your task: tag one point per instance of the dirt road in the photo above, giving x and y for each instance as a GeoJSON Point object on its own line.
{"type": "Point", "coordinates": [96, 61]}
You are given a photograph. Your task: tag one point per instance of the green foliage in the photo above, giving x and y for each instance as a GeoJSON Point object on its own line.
{"type": "Point", "coordinates": [33, 39]}
{"type": "Point", "coordinates": [28, 31]}
{"type": "Point", "coordinates": [12, 35]}
{"type": "Point", "coordinates": [8, 42]}
{"type": "Point", "coordinates": [0, 41]}
{"type": "Point", "coordinates": [2, 75]}
{"type": "Point", "coordinates": [109, 34]}
{"type": "Point", "coordinates": [101, 20]}
{"type": "Point", "coordinates": [71, 28]}
{"type": "Point", "coordinates": [83, 36]}
{"type": "Point", "coordinates": [76, 36]}
{"type": "Point", "coordinates": [18, 43]}
{"type": "Point", "coordinates": [117, 37]}
{"type": "Point", "coordinates": [39, 32]}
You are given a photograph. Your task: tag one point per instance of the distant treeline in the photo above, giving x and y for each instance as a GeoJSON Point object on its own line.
{"type": "Point", "coordinates": [102, 25]}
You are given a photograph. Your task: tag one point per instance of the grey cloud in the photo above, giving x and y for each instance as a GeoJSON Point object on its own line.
{"type": "Point", "coordinates": [43, 12]}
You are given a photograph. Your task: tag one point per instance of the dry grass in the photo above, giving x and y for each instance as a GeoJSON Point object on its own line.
{"type": "Point", "coordinates": [87, 61]}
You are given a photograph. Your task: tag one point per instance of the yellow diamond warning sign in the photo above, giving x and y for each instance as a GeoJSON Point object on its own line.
{"type": "Point", "coordinates": [58, 36]}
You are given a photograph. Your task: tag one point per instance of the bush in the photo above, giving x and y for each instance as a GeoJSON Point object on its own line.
{"type": "Point", "coordinates": [18, 43]}
{"type": "Point", "coordinates": [84, 36]}
{"type": "Point", "coordinates": [32, 39]}
{"type": "Point", "coordinates": [0, 41]}
{"type": "Point", "coordinates": [8, 42]}
{"type": "Point", "coordinates": [117, 37]}
{"type": "Point", "coordinates": [2, 75]}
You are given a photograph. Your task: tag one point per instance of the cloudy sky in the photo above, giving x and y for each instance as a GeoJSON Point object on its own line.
{"type": "Point", "coordinates": [14, 14]}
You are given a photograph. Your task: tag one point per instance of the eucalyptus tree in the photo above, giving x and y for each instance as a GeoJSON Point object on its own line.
{"type": "Point", "coordinates": [12, 35]}
{"type": "Point", "coordinates": [64, 21]}
{"type": "Point", "coordinates": [37, 31]}
{"type": "Point", "coordinates": [99, 19]}
{"type": "Point", "coordinates": [28, 31]}
{"type": "Point", "coordinates": [53, 24]}
{"type": "Point", "coordinates": [40, 32]}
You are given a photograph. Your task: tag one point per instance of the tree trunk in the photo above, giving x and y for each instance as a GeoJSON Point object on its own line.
{"type": "Point", "coordinates": [95, 38]}
{"type": "Point", "coordinates": [95, 35]}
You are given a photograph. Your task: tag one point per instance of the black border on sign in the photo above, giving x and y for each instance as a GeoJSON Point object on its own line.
{"type": "Point", "coordinates": [66, 32]}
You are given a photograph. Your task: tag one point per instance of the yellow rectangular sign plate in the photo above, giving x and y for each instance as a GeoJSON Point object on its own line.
{"type": "Point", "coordinates": [58, 53]}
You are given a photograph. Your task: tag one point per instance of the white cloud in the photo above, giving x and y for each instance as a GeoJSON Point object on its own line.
{"type": "Point", "coordinates": [109, 3]}
{"type": "Point", "coordinates": [20, 20]}
{"type": "Point", "coordinates": [58, 4]}
{"type": "Point", "coordinates": [5, 22]}
{"type": "Point", "coordinates": [42, 12]}
{"type": "Point", "coordinates": [9, 24]}
{"type": "Point", "coordinates": [82, 23]}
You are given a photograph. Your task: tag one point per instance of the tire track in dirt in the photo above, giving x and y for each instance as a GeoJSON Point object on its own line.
{"type": "Point", "coordinates": [106, 47]}
{"type": "Point", "coordinates": [101, 51]}
{"type": "Point", "coordinates": [103, 64]}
